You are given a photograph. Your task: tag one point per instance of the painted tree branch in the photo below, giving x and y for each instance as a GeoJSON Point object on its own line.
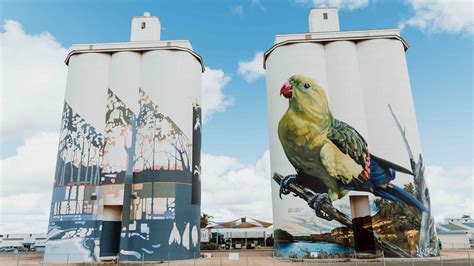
{"type": "Point", "coordinates": [427, 224]}
{"type": "Point", "coordinates": [335, 214]}
{"type": "Point", "coordinates": [305, 194]}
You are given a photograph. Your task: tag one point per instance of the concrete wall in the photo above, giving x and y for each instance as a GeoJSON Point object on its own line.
{"type": "Point", "coordinates": [361, 78]}
{"type": "Point", "coordinates": [130, 136]}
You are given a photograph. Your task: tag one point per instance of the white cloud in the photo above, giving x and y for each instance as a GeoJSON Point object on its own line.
{"type": "Point", "coordinates": [442, 16]}
{"type": "Point", "coordinates": [258, 4]}
{"type": "Point", "coordinates": [213, 98]}
{"type": "Point", "coordinates": [26, 184]}
{"type": "Point", "coordinates": [253, 69]}
{"type": "Point", "coordinates": [231, 189]}
{"type": "Point", "coordinates": [341, 4]}
{"type": "Point", "coordinates": [237, 10]}
{"type": "Point", "coordinates": [451, 191]}
{"type": "Point", "coordinates": [33, 78]}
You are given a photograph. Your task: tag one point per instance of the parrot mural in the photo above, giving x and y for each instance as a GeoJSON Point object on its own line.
{"type": "Point", "coordinates": [330, 156]}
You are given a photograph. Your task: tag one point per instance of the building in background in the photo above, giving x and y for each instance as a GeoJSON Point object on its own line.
{"type": "Point", "coordinates": [456, 233]}
{"type": "Point", "coordinates": [127, 179]}
{"type": "Point", "coordinates": [241, 233]}
{"type": "Point", "coordinates": [342, 170]}
{"type": "Point", "coordinates": [22, 242]}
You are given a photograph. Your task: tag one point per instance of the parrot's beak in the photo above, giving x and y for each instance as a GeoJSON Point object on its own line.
{"type": "Point", "coordinates": [286, 90]}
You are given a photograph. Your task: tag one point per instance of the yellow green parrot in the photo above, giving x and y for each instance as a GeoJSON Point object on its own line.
{"type": "Point", "coordinates": [330, 152]}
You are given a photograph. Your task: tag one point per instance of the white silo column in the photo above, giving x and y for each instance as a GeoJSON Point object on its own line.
{"type": "Point", "coordinates": [344, 88]}
{"type": "Point", "coordinates": [124, 83]}
{"type": "Point", "coordinates": [125, 78]}
{"type": "Point", "coordinates": [172, 80]}
{"type": "Point", "coordinates": [86, 92]}
{"type": "Point", "coordinates": [124, 86]}
{"type": "Point", "coordinates": [304, 59]}
{"type": "Point", "coordinates": [87, 83]}
{"type": "Point", "coordinates": [385, 80]}
{"type": "Point", "coordinates": [77, 169]}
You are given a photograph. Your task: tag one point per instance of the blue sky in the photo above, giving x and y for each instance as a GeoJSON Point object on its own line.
{"type": "Point", "coordinates": [235, 138]}
{"type": "Point", "coordinates": [440, 63]}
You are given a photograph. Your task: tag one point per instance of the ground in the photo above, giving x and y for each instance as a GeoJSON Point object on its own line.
{"type": "Point", "coordinates": [262, 258]}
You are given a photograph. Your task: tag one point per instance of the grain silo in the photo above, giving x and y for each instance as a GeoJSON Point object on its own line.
{"type": "Point", "coordinates": [339, 159]}
{"type": "Point", "coordinates": [127, 181]}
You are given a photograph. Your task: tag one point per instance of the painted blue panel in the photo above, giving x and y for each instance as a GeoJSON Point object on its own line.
{"type": "Point", "coordinates": [69, 239]}
{"type": "Point", "coordinates": [166, 238]}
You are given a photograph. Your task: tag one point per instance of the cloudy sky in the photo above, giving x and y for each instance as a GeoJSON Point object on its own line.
{"type": "Point", "coordinates": [231, 36]}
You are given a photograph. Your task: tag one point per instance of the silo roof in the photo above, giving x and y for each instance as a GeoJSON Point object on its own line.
{"type": "Point", "coordinates": [139, 46]}
{"type": "Point", "coordinates": [325, 37]}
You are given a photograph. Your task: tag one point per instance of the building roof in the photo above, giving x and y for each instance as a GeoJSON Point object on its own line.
{"type": "Point", "coordinates": [242, 223]}
{"type": "Point", "coordinates": [450, 232]}
{"type": "Point", "coordinates": [471, 225]}
{"type": "Point", "coordinates": [325, 37]}
{"type": "Point", "coordinates": [140, 46]}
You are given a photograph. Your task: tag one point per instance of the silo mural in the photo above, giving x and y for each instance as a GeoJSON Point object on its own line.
{"type": "Point", "coordinates": [127, 178]}
{"type": "Point", "coordinates": [343, 141]}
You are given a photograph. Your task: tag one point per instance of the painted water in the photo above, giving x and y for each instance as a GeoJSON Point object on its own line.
{"type": "Point", "coordinates": [303, 249]}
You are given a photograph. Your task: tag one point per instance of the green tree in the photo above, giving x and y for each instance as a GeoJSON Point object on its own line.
{"type": "Point", "coordinates": [205, 220]}
{"type": "Point", "coordinates": [407, 217]}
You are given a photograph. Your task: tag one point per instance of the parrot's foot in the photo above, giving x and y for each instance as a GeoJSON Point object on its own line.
{"type": "Point", "coordinates": [284, 184]}
{"type": "Point", "coordinates": [316, 202]}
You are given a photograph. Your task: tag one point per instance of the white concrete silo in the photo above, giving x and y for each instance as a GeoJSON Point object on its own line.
{"type": "Point", "coordinates": [362, 72]}
{"type": "Point", "coordinates": [138, 107]}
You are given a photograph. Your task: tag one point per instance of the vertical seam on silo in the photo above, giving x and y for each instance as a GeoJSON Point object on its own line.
{"type": "Point", "coordinates": [363, 91]}
{"type": "Point", "coordinates": [356, 51]}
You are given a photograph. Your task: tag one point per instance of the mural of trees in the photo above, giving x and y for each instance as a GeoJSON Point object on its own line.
{"type": "Point", "coordinates": [120, 139]}
{"type": "Point", "coordinates": [78, 152]}
{"type": "Point", "coordinates": [77, 160]}
{"type": "Point", "coordinates": [161, 143]}
{"type": "Point", "coordinates": [150, 141]}
{"type": "Point", "coordinates": [143, 150]}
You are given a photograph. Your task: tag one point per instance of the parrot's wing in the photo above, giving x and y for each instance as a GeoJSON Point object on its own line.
{"type": "Point", "coordinates": [350, 142]}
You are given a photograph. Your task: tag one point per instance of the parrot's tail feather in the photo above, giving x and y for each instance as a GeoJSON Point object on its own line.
{"type": "Point", "coordinates": [389, 165]}
{"type": "Point", "coordinates": [400, 195]}
{"type": "Point", "coordinates": [380, 176]}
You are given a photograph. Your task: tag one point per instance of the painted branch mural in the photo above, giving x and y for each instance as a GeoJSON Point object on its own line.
{"type": "Point", "coordinates": [427, 245]}
{"type": "Point", "coordinates": [331, 159]}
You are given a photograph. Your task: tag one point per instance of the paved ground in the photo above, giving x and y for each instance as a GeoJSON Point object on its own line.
{"type": "Point", "coordinates": [264, 257]}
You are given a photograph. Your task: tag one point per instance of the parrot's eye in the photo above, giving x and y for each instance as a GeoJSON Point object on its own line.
{"type": "Point", "coordinates": [306, 86]}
